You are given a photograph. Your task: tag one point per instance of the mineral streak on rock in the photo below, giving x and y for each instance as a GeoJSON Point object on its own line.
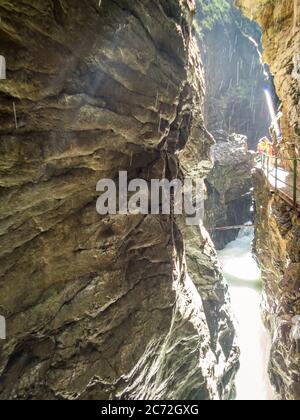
{"type": "Point", "coordinates": [114, 307]}
{"type": "Point", "coordinates": [277, 244]}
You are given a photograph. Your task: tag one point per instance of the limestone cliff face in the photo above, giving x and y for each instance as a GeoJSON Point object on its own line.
{"type": "Point", "coordinates": [229, 196]}
{"type": "Point", "coordinates": [278, 228]}
{"type": "Point", "coordinates": [117, 307]}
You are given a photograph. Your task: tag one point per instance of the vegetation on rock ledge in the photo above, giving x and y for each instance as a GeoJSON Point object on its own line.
{"type": "Point", "coordinates": [212, 12]}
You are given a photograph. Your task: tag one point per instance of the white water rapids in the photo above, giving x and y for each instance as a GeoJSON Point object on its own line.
{"type": "Point", "coordinates": [244, 279]}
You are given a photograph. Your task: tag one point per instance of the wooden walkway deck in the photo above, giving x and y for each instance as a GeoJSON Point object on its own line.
{"type": "Point", "coordinates": [282, 182]}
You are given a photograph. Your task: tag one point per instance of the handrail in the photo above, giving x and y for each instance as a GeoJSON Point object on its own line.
{"type": "Point", "coordinates": [266, 161]}
{"type": "Point", "coordinates": [279, 157]}
{"type": "Point", "coordinates": [229, 227]}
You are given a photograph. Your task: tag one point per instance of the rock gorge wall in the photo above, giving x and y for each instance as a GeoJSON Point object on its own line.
{"type": "Point", "coordinates": [229, 189]}
{"type": "Point", "coordinates": [114, 307]}
{"type": "Point", "coordinates": [231, 48]}
{"type": "Point", "coordinates": [280, 22]}
{"type": "Point", "coordinates": [234, 103]}
{"type": "Point", "coordinates": [277, 248]}
{"type": "Point", "coordinates": [277, 244]}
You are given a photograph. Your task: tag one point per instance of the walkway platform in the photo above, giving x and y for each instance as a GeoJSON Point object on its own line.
{"type": "Point", "coordinates": [283, 182]}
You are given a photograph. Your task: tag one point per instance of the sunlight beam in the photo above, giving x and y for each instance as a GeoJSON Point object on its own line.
{"type": "Point", "coordinates": [273, 114]}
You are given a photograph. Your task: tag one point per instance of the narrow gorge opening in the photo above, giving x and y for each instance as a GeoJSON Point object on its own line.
{"type": "Point", "coordinates": [238, 114]}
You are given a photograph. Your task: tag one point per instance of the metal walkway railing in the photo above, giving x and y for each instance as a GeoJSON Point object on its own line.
{"type": "Point", "coordinates": [285, 181]}
{"type": "Point", "coordinates": [224, 228]}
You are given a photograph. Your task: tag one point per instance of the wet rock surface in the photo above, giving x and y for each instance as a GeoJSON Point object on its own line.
{"type": "Point", "coordinates": [114, 307]}
{"type": "Point", "coordinates": [280, 23]}
{"type": "Point", "coordinates": [231, 48]}
{"type": "Point", "coordinates": [277, 224]}
{"type": "Point", "coordinates": [277, 248]}
{"type": "Point", "coordinates": [229, 196]}
{"type": "Point", "coordinates": [234, 103]}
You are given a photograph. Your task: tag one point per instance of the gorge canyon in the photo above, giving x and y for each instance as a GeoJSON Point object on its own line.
{"type": "Point", "coordinates": [136, 306]}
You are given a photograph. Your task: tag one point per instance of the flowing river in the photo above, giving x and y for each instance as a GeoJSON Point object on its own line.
{"type": "Point", "coordinates": [244, 279]}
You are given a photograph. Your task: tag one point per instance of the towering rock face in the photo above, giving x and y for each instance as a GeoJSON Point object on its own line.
{"type": "Point", "coordinates": [231, 49]}
{"type": "Point", "coordinates": [280, 22]}
{"type": "Point", "coordinates": [229, 188]}
{"type": "Point", "coordinates": [230, 45]}
{"type": "Point", "coordinates": [109, 306]}
{"type": "Point", "coordinates": [277, 244]}
{"type": "Point", "coordinates": [277, 248]}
